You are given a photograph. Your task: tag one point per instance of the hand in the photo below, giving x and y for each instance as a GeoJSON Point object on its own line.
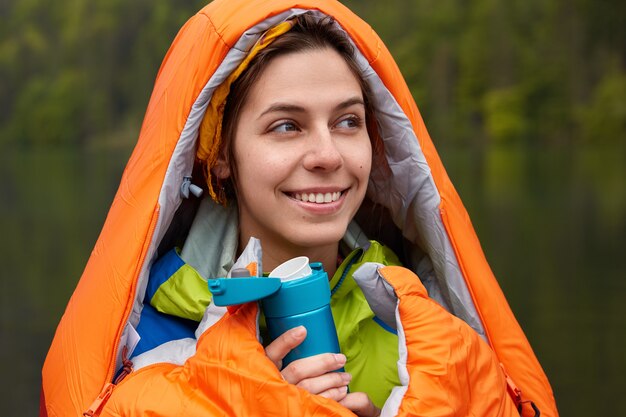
{"type": "Point", "coordinates": [315, 374]}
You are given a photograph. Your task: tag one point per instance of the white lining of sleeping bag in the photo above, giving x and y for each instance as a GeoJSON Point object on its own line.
{"type": "Point", "coordinates": [392, 405]}
{"type": "Point", "coordinates": [410, 193]}
{"type": "Point", "coordinates": [380, 295]}
{"type": "Point", "coordinates": [175, 352]}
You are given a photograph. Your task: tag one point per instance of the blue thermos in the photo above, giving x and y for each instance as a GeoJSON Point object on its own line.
{"type": "Point", "coordinates": [296, 293]}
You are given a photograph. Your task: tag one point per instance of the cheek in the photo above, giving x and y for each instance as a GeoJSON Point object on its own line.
{"type": "Point", "coordinates": [263, 161]}
{"type": "Point", "coordinates": [364, 172]}
{"type": "Point", "coordinates": [260, 168]}
{"type": "Point", "coordinates": [361, 158]}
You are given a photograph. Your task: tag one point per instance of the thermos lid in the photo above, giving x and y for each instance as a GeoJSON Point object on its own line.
{"type": "Point", "coordinates": [294, 287]}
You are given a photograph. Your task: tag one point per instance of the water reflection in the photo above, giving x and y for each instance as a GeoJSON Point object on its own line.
{"type": "Point", "coordinates": [551, 220]}
{"type": "Point", "coordinates": [53, 205]}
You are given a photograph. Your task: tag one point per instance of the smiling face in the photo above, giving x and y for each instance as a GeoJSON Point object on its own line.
{"type": "Point", "coordinates": [302, 154]}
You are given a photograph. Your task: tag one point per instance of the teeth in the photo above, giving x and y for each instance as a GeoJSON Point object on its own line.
{"type": "Point", "coordinates": [319, 198]}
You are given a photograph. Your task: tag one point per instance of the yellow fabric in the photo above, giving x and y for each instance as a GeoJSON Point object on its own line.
{"type": "Point", "coordinates": [185, 294]}
{"type": "Point", "coordinates": [210, 135]}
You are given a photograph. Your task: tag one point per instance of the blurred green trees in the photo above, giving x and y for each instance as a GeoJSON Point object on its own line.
{"type": "Point", "coordinates": [76, 71]}
{"type": "Point", "coordinates": [519, 70]}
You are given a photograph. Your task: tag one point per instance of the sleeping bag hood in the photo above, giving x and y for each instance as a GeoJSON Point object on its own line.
{"type": "Point", "coordinates": [419, 215]}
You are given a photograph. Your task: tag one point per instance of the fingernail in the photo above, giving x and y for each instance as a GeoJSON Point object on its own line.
{"type": "Point", "coordinates": [344, 389]}
{"type": "Point", "coordinates": [298, 331]}
{"type": "Point", "coordinates": [346, 377]}
{"type": "Point", "coordinates": [340, 358]}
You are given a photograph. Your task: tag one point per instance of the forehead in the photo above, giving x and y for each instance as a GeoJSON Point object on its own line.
{"type": "Point", "coordinates": [305, 76]}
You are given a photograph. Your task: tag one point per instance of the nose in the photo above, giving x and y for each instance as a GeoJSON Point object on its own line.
{"type": "Point", "coordinates": [322, 153]}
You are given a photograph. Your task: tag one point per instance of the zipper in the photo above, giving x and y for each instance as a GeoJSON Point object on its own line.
{"type": "Point", "coordinates": [514, 392]}
{"type": "Point", "coordinates": [447, 226]}
{"type": "Point", "coordinates": [356, 255]}
{"type": "Point", "coordinates": [108, 388]}
{"type": "Point", "coordinates": [132, 291]}
{"type": "Point", "coordinates": [100, 400]}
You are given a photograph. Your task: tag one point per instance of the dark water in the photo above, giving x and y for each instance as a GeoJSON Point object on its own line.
{"type": "Point", "coordinates": [552, 222]}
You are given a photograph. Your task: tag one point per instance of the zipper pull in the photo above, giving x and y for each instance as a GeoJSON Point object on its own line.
{"type": "Point", "coordinates": [100, 400]}
{"type": "Point", "coordinates": [186, 187]}
{"type": "Point", "coordinates": [514, 391]}
{"type": "Point", "coordinates": [127, 368]}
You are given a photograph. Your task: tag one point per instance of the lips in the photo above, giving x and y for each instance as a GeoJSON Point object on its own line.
{"type": "Point", "coordinates": [318, 198]}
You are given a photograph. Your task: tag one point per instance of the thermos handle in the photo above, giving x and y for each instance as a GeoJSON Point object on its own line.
{"type": "Point", "coordinates": [232, 291]}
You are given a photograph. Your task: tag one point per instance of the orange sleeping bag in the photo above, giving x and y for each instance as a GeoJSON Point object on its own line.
{"type": "Point", "coordinates": [229, 374]}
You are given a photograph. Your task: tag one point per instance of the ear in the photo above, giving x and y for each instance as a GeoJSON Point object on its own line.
{"type": "Point", "coordinates": [221, 169]}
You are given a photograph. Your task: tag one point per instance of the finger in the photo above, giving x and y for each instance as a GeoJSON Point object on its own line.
{"type": "Point", "coordinates": [326, 382]}
{"type": "Point", "coordinates": [313, 366]}
{"type": "Point", "coordinates": [284, 343]}
{"type": "Point", "coordinates": [360, 404]}
{"type": "Point", "coordinates": [337, 393]}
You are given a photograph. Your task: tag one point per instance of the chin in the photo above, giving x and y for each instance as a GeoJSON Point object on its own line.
{"type": "Point", "coordinates": [318, 237]}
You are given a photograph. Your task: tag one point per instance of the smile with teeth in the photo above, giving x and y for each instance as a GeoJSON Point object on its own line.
{"type": "Point", "coordinates": [319, 198]}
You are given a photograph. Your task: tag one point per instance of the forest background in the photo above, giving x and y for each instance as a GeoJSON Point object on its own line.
{"type": "Point", "coordinates": [525, 101]}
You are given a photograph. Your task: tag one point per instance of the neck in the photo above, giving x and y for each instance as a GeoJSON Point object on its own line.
{"type": "Point", "coordinates": [274, 255]}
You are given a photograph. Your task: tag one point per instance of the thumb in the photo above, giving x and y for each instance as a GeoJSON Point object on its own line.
{"type": "Point", "coordinates": [279, 348]}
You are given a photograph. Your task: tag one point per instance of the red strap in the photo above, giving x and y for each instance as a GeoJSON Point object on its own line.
{"type": "Point", "coordinates": [43, 412]}
{"type": "Point", "coordinates": [127, 366]}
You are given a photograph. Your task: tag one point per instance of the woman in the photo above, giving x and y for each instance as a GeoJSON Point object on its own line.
{"type": "Point", "coordinates": [319, 123]}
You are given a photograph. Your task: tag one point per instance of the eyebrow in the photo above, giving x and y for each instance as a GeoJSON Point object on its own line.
{"type": "Point", "coordinates": [285, 107]}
